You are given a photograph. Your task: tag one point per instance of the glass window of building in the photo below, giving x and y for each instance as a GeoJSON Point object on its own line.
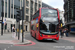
{"type": "Point", "coordinates": [27, 17]}
{"type": "Point", "coordinates": [39, 2]}
{"type": "Point", "coordinates": [11, 5]}
{"type": "Point", "coordinates": [6, 4]}
{"type": "Point", "coordinates": [14, 17]}
{"type": "Point", "coordinates": [11, 16]}
{"type": "Point", "coordinates": [17, 7]}
{"type": "Point", "coordinates": [2, 13]}
{"type": "Point", "coordinates": [39, 6]}
{"type": "Point", "coordinates": [31, 7]}
{"type": "Point", "coordinates": [5, 15]}
{"type": "Point", "coordinates": [35, 7]}
{"type": "Point", "coordinates": [36, 1]}
{"type": "Point", "coordinates": [14, 6]}
{"type": "Point", "coordinates": [2, 3]}
{"type": "Point", "coordinates": [27, 10]}
{"type": "Point", "coordinates": [27, 3]}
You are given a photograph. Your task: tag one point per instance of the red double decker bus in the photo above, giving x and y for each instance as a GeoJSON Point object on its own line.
{"type": "Point", "coordinates": [45, 23]}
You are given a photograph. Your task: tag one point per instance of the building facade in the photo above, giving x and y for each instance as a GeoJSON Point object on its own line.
{"type": "Point", "coordinates": [31, 6]}
{"type": "Point", "coordinates": [10, 8]}
{"type": "Point", "coordinates": [69, 11]}
{"type": "Point", "coordinates": [9, 12]}
{"type": "Point", "coordinates": [62, 17]}
{"type": "Point", "coordinates": [45, 5]}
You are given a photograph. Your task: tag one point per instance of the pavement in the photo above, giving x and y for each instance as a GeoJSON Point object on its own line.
{"type": "Point", "coordinates": [7, 38]}
{"type": "Point", "coordinates": [70, 38]}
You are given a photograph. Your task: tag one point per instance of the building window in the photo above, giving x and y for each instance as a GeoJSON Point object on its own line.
{"type": "Point", "coordinates": [36, 1]}
{"type": "Point", "coordinates": [31, 7]}
{"type": "Point", "coordinates": [14, 6]}
{"type": "Point", "coordinates": [20, 27]}
{"type": "Point", "coordinates": [27, 10]}
{"type": "Point", "coordinates": [17, 7]}
{"type": "Point", "coordinates": [27, 3]}
{"type": "Point", "coordinates": [2, 13]}
{"type": "Point", "coordinates": [27, 17]}
{"type": "Point", "coordinates": [5, 15]}
{"type": "Point", "coordinates": [39, 6]}
{"type": "Point", "coordinates": [31, 17]}
{"type": "Point", "coordinates": [39, 2]}
{"type": "Point", "coordinates": [6, 4]}
{"type": "Point", "coordinates": [11, 16]}
{"type": "Point", "coordinates": [11, 5]}
{"type": "Point", "coordinates": [14, 17]}
{"type": "Point", "coordinates": [35, 7]}
{"type": "Point", "coordinates": [2, 3]}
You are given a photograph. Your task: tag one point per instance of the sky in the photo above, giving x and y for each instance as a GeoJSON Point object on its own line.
{"type": "Point", "coordinates": [55, 3]}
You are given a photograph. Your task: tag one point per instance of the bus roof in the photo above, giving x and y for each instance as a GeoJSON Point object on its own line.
{"type": "Point", "coordinates": [48, 8]}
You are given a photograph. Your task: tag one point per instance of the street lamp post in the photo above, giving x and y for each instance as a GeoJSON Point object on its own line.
{"type": "Point", "coordinates": [22, 24]}
{"type": "Point", "coordinates": [2, 20]}
{"type": "Point", "coordinates": [23, 13]}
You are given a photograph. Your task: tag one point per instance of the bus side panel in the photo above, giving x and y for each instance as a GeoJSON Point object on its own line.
{"type": "Point", "coordinates": [37, 31]}
{"type": "Point", "coordinates": [33, 32]}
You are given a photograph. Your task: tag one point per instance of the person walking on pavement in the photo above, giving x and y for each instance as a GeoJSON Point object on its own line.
{"type": "Point", "coordinates": [13, 32]}
{"type": "Point", "coordinates": [67, 32]}
{"type": "Point", "coordinates": [61, 32]}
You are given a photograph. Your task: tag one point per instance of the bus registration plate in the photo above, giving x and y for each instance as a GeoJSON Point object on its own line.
{"type": "Point", "coordinates": [49, 39]}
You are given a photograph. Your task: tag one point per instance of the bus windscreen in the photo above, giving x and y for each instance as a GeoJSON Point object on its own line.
{"type": "Point", "coordinates": [49, 12]}
{"type": "Point", "coordinates": [49, 21]}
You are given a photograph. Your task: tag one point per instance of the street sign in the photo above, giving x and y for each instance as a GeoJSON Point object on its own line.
{"type": "Point", "coordinates": [5, 19]}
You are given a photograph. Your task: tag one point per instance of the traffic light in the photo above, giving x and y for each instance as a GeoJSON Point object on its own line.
{"type": "Point", "coordinates": [18, 17]}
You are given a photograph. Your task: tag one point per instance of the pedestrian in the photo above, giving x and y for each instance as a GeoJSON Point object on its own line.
{"type": "Point", "coordinates": [61, 32]}
{"type": "Point", "coordinates": [13, 32]}
{"type": "Point", "coordinates": [67, 32]}
{"type": "Point", "coordinates": [8, 29]}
